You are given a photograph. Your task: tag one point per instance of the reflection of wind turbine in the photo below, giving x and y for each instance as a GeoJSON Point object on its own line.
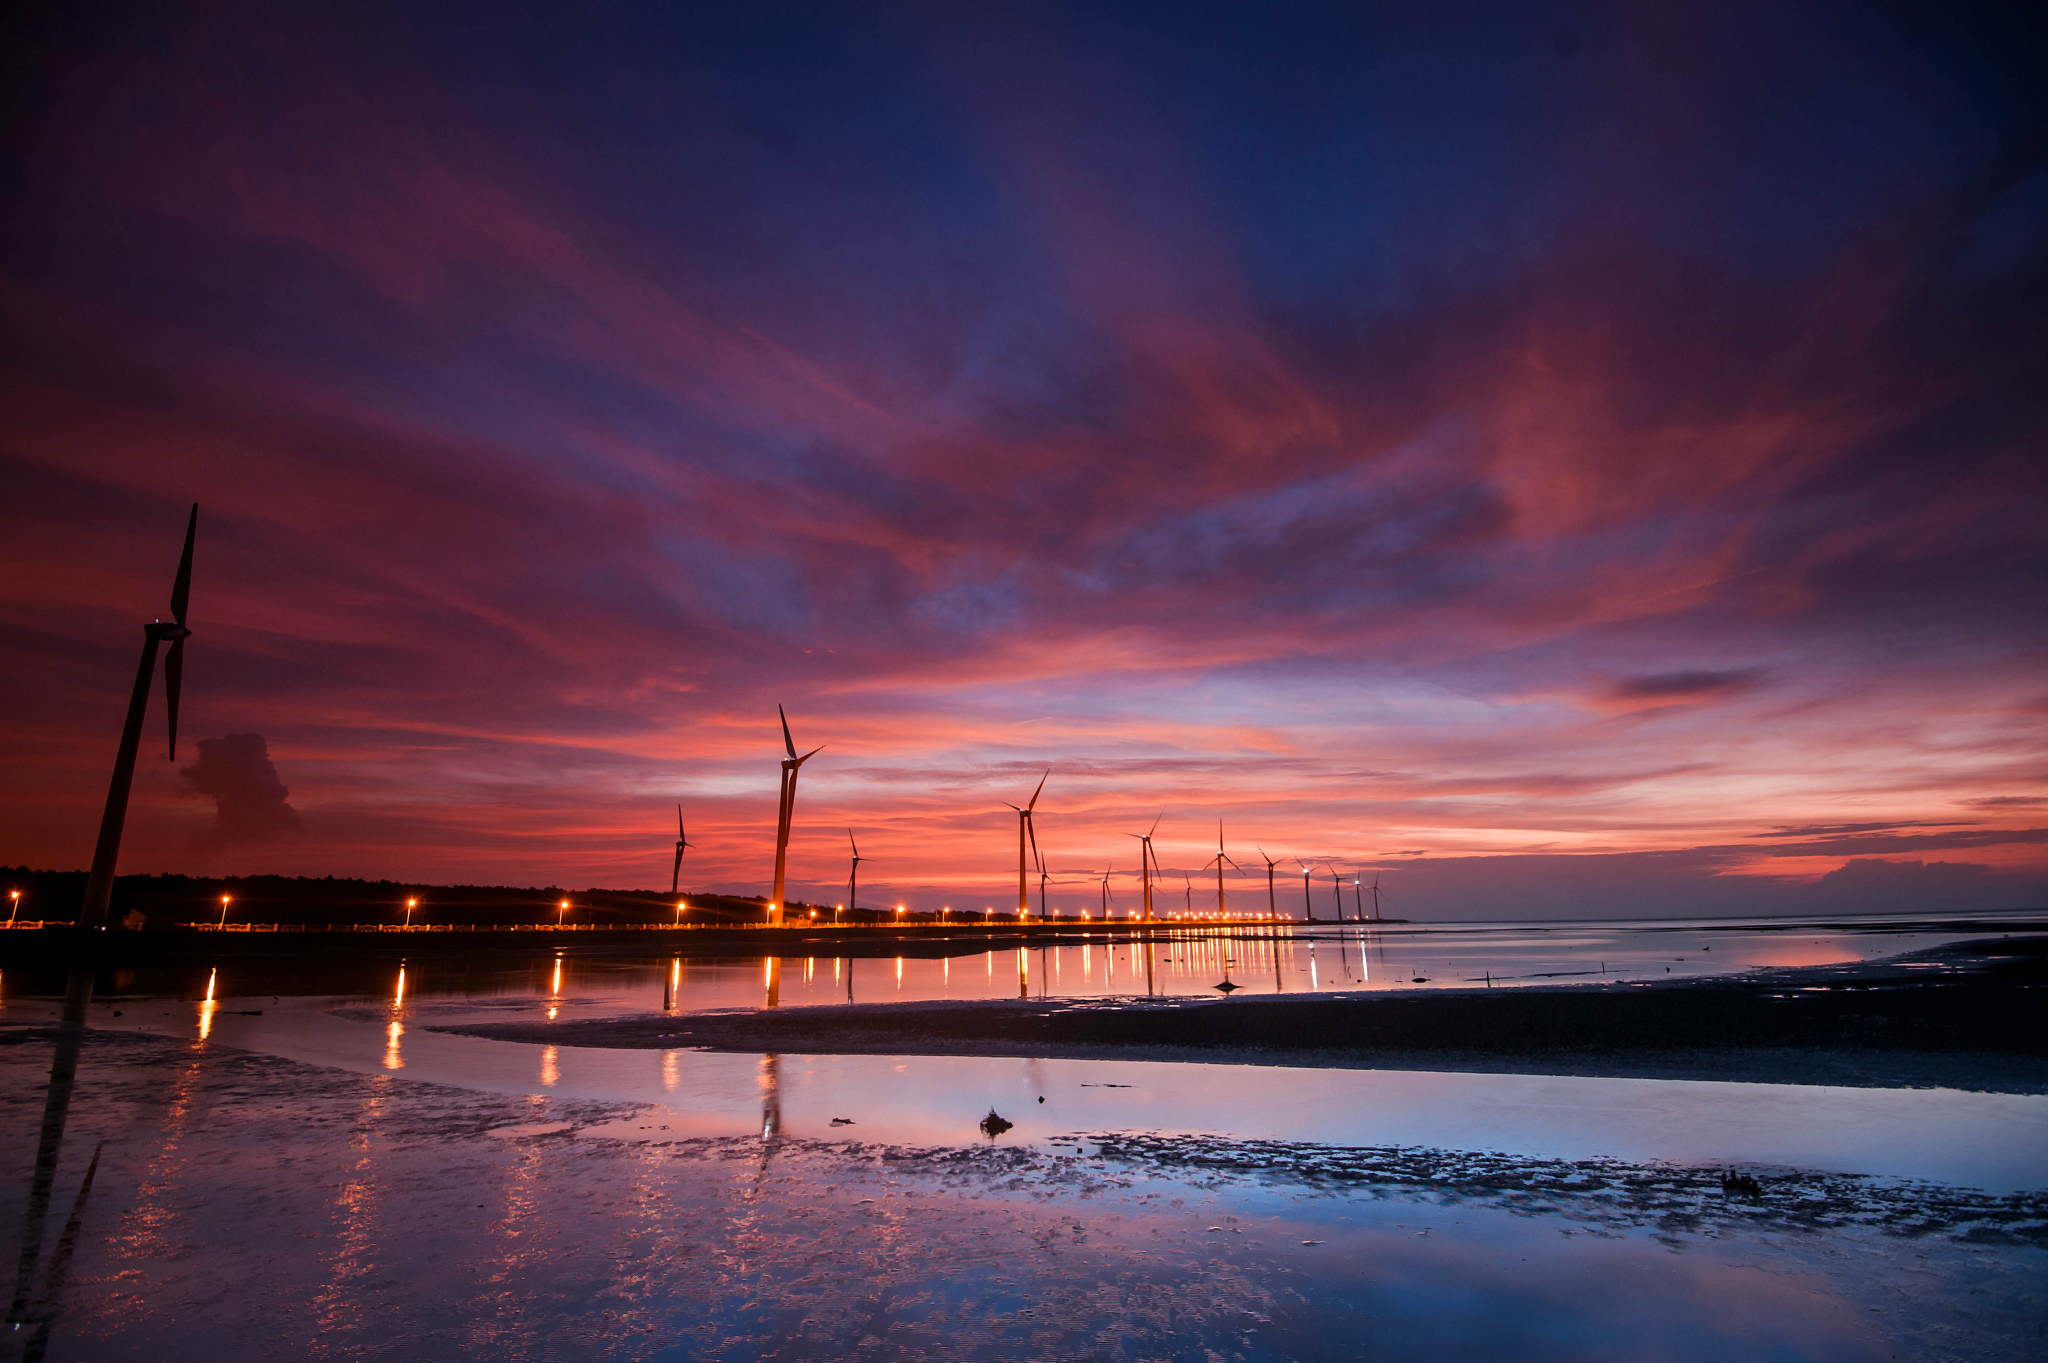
{"type": "Point", "coordinates": [1025, 830]}
{"type": "Point", "coordinates": [36, 1304]}
{"type": "Point", "coordinates": [1272, 903]}
{"type": "Point", "coordinates": [790, 766]}
{"type": "Point", "coordinates": [682, 840]}
{"type": "Point", "coordinates": [852, 876]}
{"type": "Point", "coordinates": [99, 887]}
{"type": "Point", "coordinates": [1148, 862]}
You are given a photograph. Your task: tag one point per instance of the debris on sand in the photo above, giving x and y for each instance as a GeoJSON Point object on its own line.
{"type": "Point", "coordinates": [993, 1125]}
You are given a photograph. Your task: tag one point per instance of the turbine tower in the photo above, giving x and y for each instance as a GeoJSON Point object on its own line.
{"type": "Point", "coordinates": [790, 766]}
{"type": "Point", "coordinates": [675, 877]}
{"type": "Point", "coordinates": [99, 887]}
{"type": "Point", "coordinates": [1105, 892]}
{"type": "Point", "coordinates": [1272, 903]}
{"type": "Point", "coordinates": [853, 875]}
{"type": "Point", "coordinates": [1308, 905]}
{"type": "Point", "coordinates": [1148, 862]}
{"type": "Point", "coordinates": [1024, 831]}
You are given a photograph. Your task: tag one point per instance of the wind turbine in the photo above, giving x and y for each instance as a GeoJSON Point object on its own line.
{"type": "Point", "coordinates": [1337, 888]}
{"type": "Point", "coordinates": [1024, 830]}
{"type": "Point", "coordinates": [1375, 887]}
{"type": "Point", "coordinates": [1105, 892]}
{"type": "Point", "coordinates": [1221, 857]}
{"type": "Point", "coordinates": [1272, 904]}
{"type": "Point", "coordinates": [1148, 862]}
{"type": "Point", "coordinates": [1043, 875]}
{"type": "Point", "coordinates": [790, 766]}
{"type": "Point", "coordinates": [676, 876]}
{"type": "Point", "coordinates": [852, 876]}
{"type": "Point", "coordinates": [1308, 905]}
{"type": "Point", "coordinates": [99, 887]}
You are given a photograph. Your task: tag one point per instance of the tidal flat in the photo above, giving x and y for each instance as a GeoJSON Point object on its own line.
{"type": "Point", "coordinates": [526, 1158]}
{"type": "Point", "coordinates": [249, 1206]}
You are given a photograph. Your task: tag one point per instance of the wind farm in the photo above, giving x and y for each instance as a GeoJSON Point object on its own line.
{"type": "Point", "coordinates": [1561, 481]}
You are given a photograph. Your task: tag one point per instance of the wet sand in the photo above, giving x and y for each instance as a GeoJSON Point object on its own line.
{"type": "Point", "coordinates": [1971, 1015]}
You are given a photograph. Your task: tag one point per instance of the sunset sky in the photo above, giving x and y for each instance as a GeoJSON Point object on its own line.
{"type": "Point", "coordinates": [1565, 460]}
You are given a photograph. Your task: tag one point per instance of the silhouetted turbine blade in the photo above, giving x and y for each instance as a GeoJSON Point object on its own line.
{"type": "Point", "coordinates": [787, 742]}
{"type": "Point", "coordinates": [1032, 829]}
{"type": "Point", "coordinates": [182, 587]}
{"type": "Point", "coordinates": [1041, 786]}
{"type": "Point", "coordinates": [174, 679]}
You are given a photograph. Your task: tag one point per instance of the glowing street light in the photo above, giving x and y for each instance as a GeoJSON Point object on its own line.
{"type": "Point", "coordinates": [13, 906]}
{"type": "Point", "coordinates": [681, 908]}
{"type": "Point", "coordinates": [410, 905]}
{"type": "Point", "coordinates": [561, 912]}
{"type": "Point", "coordinates": [224, 909]}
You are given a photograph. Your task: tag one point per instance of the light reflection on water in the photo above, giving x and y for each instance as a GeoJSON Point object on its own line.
{"type": "Point", "coordinates": [411, 1220]}
{"type": "Point", "coordinates": [1189, 964]}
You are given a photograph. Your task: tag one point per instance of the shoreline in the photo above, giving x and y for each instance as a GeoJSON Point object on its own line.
{"type": "Point", "coordinates": [1970, 1015]}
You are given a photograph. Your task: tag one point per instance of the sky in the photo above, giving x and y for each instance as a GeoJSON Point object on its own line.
{"type": "Point", "coordinates": [1557, 460]}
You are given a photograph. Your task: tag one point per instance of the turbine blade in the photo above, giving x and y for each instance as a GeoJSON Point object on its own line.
{"type": "Point", "coordinates": [174, 678]}
{"type": "Point", "coordinates": [786, 740]}
{"type": "Point", "coordinates": [679, 822]}
{"type": "Point", "coordinates": [1032, 829]}
{"type": "Point", "coordinates": [1041, 786]}
{"type": "Point", "coordinates": [1155, 823]}
{"type": "Point", "coordinates": [851, 843]}
{"type": "Point", "coordinates": [182, 587]}
{"type": "Point", "coordinates": [809, 755]}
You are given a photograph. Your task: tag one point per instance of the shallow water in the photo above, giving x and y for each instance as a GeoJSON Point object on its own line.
{"type": "Point", "coordinates": [319, 1173]}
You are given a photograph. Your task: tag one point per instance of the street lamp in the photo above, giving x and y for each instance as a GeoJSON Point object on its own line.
{"type": "Point", "coordinates": [224, 909]}
{"type": "Point", "coordinates": [13, 906]}
{"type": "Point", "coordinates": [561, 912]}
{"type": "Point", "coordinates": [410, 905]}
{"type": "Point", "coordinates": [680, 906]}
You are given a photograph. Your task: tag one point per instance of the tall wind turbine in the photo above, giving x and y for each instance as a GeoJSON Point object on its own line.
{"type": "Point", "coordinates": [682, 840]}
{"type": "Point", "coordinates": [1025, 830]}
{"type": "Point", "coordinates": [1105, 892]}
{"type": "Point", "coordinates": [1221, 857]}
{"type": "Point", "coordinates": [1043, 876]}
{"type": "Point", "coordinates": [1148, 862]}
{"type": "Point", "coordinates": [1308, 905]}
{"type": "Point", "coordinates": [1337, 888]}
{"type": "Point", "coordinates": [1375, 887]}
{"type": "Point", "coordinates": [1272, 903]}
{"type": "Point", "coordinates": [853, 875]}
{"type": "Point", "coordinates": [99, 887]}
{"type": "Point", "coordinates": [790, 766]}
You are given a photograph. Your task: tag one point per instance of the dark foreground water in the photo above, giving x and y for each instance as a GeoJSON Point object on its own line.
{"type": "Point", "coordinates": [322, 1175]}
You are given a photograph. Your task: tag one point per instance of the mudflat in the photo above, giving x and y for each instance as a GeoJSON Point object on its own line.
{"type": "Point", "coordinates": [1970, 1015]}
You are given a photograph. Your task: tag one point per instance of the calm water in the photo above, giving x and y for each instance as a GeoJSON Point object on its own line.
{"type": "Point", "coordinates": [314, 1171]}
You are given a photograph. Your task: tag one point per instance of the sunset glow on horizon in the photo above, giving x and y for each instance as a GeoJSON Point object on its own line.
{"type": "Point", "coordinates": [1551, 494]}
